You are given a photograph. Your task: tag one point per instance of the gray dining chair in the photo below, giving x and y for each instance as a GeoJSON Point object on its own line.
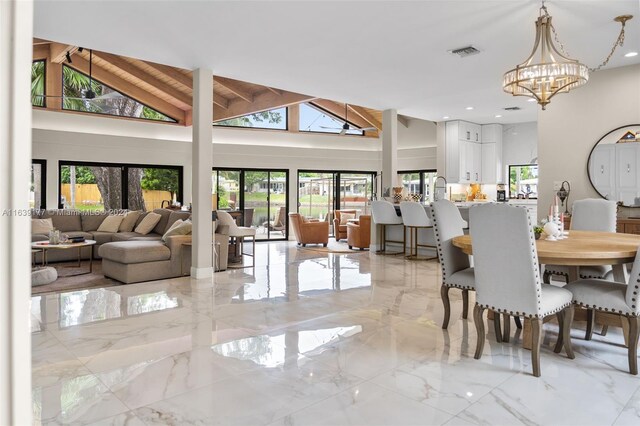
{"type": "Point", "coordinates": [590, 214]}
{"type": "Point", "coordinates": [456, 269]}
{"type": "Point", "coordinates": [507, 276]}
{"type": "Point", "coordinates": [614, 298]}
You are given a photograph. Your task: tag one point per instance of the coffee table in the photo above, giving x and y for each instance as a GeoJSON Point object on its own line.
{"type": "Point", "coordinates": [45, 247]}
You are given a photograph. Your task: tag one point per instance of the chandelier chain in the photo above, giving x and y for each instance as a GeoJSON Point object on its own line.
{"type": "Point", "coordinates": [619, 42]}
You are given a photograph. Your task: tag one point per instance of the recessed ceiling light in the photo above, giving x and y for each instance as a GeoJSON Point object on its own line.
{"type": "Point", "coordinates": [498, 116]}
{"type": "Point", "coordinates": [630, 54]}
{"type": "Point", "coordinates": [446, 117]}
{"type": "Point", "coordinates": [469, 108]}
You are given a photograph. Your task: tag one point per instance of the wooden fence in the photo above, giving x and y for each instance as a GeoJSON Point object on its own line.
{"type": "Point", "coordinates": [89, 195]}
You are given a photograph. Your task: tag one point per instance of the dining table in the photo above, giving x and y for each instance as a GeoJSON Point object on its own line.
{"type": "Point", "coordinates": [580, 248]}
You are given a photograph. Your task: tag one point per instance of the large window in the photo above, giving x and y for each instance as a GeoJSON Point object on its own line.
{"type": "Point", "coordinates": [315, 119]}
{"type": "Point", "coordinates": [107, 100]}
{"type": "Point", "coordinates": [256, 198]}
{"type": "Point", "coordinates": [99, 186]}
{"type": "Point", "coordinates": [523, 181]}
{"type": "Point", "coordinates": [37, 189]}
{"type": "Point", "coordinates": [38, 83]}
{"type": "Point", "coordinates": [274, 119]}
{"type": "Point", "coordinates": [419, 182]}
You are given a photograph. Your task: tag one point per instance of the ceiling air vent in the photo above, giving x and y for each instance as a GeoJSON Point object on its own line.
{"type": "Point", "coordinates": [463, 52]}
{"type": "Point", "coordinates": [512, 108]}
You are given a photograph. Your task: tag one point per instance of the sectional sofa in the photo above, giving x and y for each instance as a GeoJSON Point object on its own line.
{"type": "Point", "coordinates": [129, 256]}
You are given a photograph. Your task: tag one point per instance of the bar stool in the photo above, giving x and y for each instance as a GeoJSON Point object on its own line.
{"type": "Point", "coordinates": [414, 217]}
{"type": "Point", "coordinates": [384, 214]}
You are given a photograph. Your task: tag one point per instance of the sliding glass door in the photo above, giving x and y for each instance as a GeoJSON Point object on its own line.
{"type": "Point", "coordinates": [259, 195]}
{"type": "Point", "coordinates": [320, 193]}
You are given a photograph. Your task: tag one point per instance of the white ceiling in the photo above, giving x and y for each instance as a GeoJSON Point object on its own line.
{"type": "Point", "coordinates": [380, 54]}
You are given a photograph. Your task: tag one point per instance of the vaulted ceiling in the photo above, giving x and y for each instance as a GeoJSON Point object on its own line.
{"type": "Point", "coordinates": [169, 90]}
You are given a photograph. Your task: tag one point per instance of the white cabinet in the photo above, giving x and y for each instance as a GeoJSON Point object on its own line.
{"type": "Point", "coordinates": [602, 166]}
{"type": "Point", "coordinates": [492, 171]}
{"type": "Point", "coordinates": [463, 155]}
{"type": "Point", "coordinates": [627, 178]}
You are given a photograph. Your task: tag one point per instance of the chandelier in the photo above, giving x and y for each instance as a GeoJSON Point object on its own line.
{"type": "Point", "coordinates": [547, 71]}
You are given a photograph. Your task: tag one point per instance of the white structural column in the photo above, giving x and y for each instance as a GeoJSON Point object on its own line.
{"type": "Point", "coordinates": [16, 33]}
{"type": "Point", "coordinates": [389, 151]}
{"type": "Point", "coordinates": [202, 162]}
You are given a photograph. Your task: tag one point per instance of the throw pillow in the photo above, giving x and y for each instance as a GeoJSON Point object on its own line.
{"type": "Point", "coordinates": [41, 226]}
{"type": "Point", "coordinates": [183, 228]}
{"type": "Point", "coordinates": [129, 221]}
{"type": "Point", "coordinates": [344, 218]}
{"type": "Point", "coordinates": [110, 224]}
{"type": "Point", "coordinates": [148, 223]}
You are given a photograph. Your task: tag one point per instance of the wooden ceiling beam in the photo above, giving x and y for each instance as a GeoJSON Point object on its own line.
{"type": "Point", "coordinates": [276, 91]}
{"type": "Point", "coordinates": [337, 109]}
{"type": "Point", "coordinates": [145, 77]}
{"type": "Point", "coordinates": [264, 101]}
{"type": "Point", "coordinates": [128, 89]}
{"type": "Point", "coordinates": [40, 51]}
{"type": "Point", "coordinates": [37, 41]}
{"type": "Point", "coordinates": [234, 87]}
{"type": "Point", "coordinates": [186, 80]}
{"type": "Point", "coordinates": [58, 52]}
{"type": "Point", "coordinates": [365, 115]}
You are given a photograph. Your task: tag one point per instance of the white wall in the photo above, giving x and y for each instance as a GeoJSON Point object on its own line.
{"type": "Point", "coordinates": [82, 137]}
{"type": "Point", "coordinates": [519, 145]}
{"type": "Point", "coordinates": [574, 122]}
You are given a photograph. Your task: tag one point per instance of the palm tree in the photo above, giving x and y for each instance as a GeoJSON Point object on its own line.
{"type": "Point", "coordinates": [37, 83]}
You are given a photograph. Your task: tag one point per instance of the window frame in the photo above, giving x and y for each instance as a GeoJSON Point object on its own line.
{"type": "Point", "coordinates": [62, 108]}
{"type": "Point", "coordinates": [421, 172]}
{"type": "Point", "coordinates": [44, 75]}
{"type": "Point", "coordinates": [324, 111]}
{"type": "Point", "coordinates": [124, 181]}
{"type": "Point", "coordinates": [509, 181]}
{"type": "Point", "coordinates": [43, 181]}
{"type": "Point", "coordinates": [241, 192]}
{"type": "Point", "coordinates": [286, 122]}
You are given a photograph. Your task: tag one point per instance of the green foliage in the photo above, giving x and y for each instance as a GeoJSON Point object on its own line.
{"type": "Point", "coordinates": [272, 117]}
{"type": "Point", "coordinates": [37, 83]}
{"type": "Point", "coordinates": [160, 180]}
{"type": "Point", "coordinates": [84, 175]}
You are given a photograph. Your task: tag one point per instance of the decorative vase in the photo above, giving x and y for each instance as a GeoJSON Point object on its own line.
{"type": "Point", "coordinates": [551, 229]}
{"type": "Point", "coordinates": [416, 197]}
{"type": "Point", "coordinates": [54, 237]}
{"type": "Point", "coordinates": [537, 235]}
{"type": "Point", "coordinates": [397, 197]}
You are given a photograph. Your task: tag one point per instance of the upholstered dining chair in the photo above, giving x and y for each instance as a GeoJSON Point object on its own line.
{"type": "Point", "coordinates": [239, 233]}
{"type": "Point", "coordinates": [384, 214]}
{"type": "Point", "coordinates": [507, 276]}
{"type": "Point", "coordinates": [456, 269]}
{"type": "Point", "coordinates": [614, 298]}
{"type": "Point", "coordinates": [588, 215]}
{"type": "Point", "coordinates": [415, 217]}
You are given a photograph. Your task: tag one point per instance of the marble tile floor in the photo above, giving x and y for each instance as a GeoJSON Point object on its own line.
{"type": "Point", "coordinates": [307, 338]}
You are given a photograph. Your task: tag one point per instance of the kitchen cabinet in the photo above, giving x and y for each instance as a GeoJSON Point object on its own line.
{"type": "Point", "coordinates": [463, 153]}
{"type": "Point", "coordinates": [492, 171]}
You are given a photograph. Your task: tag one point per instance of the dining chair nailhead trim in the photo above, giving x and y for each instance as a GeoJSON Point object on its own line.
{"type": "Point", "coordinates": [601, 309]}
{"type": "Point", "coordinates": [524, 314]}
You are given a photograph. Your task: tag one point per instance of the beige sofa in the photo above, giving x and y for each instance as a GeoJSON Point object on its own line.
{"type": "Point", "coordinates": [75, 223]}
{"type": "Point", "coordinates": [139, 260]}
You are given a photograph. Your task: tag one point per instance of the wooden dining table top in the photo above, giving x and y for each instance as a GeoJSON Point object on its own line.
{"type": "Point", "coordinates": [581, 248]}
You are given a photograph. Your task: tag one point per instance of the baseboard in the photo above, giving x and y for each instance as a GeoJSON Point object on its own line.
{"type": "Point", "coordinates": [201, 273]}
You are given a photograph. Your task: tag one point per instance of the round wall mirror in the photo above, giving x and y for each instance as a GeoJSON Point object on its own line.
{"type": "Point", "coordinates": [614, 165]}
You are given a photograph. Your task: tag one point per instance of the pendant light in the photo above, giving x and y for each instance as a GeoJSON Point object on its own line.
{"type": "Point", "coordinates": [549, 71]}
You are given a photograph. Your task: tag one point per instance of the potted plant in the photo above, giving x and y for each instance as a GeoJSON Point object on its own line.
{"type": "Point", "coordinates": [537, 230]}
